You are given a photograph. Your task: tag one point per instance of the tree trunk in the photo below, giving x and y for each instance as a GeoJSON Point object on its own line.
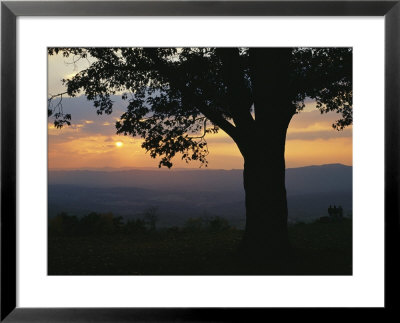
{"type": "Point", "coordinates": [263, 149]}
{"type": "Point", "coordinates": [266, 232]}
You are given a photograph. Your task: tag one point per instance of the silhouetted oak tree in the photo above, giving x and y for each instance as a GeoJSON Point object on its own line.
{"type": "Point", "coordinates": [177, 96]}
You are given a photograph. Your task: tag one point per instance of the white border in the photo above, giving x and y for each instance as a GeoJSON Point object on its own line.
{"type": "Point", "coordinates": [364, 288]}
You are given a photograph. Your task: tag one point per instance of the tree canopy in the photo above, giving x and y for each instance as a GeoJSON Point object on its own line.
{"type": "Point", "coordinates": [176, 96]}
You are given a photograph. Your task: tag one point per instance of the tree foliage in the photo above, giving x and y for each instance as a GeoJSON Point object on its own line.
{"type": "Point", "coordinates": [176, 96]}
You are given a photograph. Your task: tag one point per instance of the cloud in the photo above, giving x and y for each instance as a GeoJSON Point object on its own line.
{"type": "Point", "coordinates": [316, 135]}
{"type": "Point", "coordinates": [83, 110]}
{"type": "Point", "coordinates": [308, 119]}
{"type": "Point", "coordinates": [313, 125]}
{"type": "Point", "coordinates": [85, 122]}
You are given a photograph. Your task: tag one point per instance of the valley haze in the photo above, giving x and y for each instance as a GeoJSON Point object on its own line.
{"type": "Point", "coordinates": [180, 194]}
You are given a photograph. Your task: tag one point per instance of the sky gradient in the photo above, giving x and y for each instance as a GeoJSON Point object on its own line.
{"type": "Point", "coordinates": [91, 140]}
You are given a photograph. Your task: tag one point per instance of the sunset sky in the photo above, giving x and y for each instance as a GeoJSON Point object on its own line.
{"type": "Point", "coordinates": [91, 140]}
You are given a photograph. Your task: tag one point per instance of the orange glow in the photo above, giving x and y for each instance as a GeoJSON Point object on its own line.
{"type": "Point", "coordinates": [94, 143]}
{"type": "Point", "coordinates": [103, 151]}
{"type": "Point", "coordinates": [317, 152]}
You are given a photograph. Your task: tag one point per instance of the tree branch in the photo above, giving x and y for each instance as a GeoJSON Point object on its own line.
{"type": "Point", "coordinates": [204, 130]}
{"type": "Point", "coordinates": [58, 105]}
{"type": "Point", "coordinates": [238, 94]}
{"type": "Point", "coordinates": [220, 121]}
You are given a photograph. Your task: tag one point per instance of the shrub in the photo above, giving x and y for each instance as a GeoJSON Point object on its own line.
{"type": "Point", "coordinates": [95, 223]}
{"type": "Point", "coordinates": [63, 224]}
{"type": "Point", "coordinates": [194, 224]}
{"type": "Point", "coordinates": [91, 224]}
{"type": "Point", "coordinates": [135, 226]}
{"type": "Point", "coordinates": [218, 224]}
{"type": "Point", "coordinates": [151, 217]}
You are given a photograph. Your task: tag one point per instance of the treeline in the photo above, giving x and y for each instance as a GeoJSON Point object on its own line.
{"type": "Point", "coordinates": [106, 223]}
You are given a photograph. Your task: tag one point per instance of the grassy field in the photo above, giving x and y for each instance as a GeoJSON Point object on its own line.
{"type": "Point", "coordinates": [318, 249]}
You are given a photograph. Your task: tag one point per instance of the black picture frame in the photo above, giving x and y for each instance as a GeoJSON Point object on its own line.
{"type": "Point", "coordinates": [10, 10]}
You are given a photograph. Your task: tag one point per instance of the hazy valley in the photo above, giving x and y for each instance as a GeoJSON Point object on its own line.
{"type": "Point", "coordinates": [182, 194]}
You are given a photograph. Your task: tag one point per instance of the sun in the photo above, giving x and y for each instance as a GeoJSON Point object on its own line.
{"type": "Point", "coordinates": [119, 144]}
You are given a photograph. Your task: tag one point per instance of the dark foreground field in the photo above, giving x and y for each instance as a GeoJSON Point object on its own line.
{"type": "Point", "coordinates": [318, 249]}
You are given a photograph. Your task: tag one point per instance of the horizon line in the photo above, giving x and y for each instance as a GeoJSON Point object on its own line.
{"type": "Point", "coordinates": [126, 168]}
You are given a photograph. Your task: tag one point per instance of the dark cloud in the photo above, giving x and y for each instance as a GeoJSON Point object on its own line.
{"type": "Point", "coordinates": [82, 109]}
{"type": "Point", "coordinates": [85, 122]}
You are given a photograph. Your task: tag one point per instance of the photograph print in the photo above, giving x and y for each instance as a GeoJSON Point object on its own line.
{"type": "Point", "coordinates": [200, 161]}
